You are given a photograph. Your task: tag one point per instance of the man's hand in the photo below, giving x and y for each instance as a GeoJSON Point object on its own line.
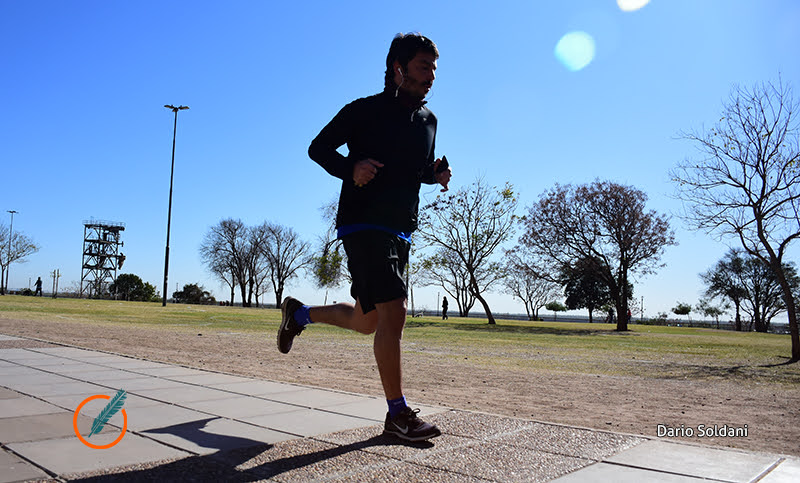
{"type": "Point", "coordinates": [442, 178]}
{"type": "Point", "coordinates": [365, 170]}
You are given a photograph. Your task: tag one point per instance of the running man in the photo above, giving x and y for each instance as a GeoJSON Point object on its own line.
{"type": "Point", "coordinates": [390, 138]}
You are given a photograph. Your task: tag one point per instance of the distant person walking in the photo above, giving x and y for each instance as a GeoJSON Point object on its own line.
{"type": "Point", "coordinates": [444, 308]}
{"type": "Point", "coordinates": [38, 287]}
{"type": "Point", "coordinates": [390, 139]}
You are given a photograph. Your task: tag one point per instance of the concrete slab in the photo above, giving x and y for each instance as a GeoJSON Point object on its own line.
{"type": "Point", "coordinates": [580, 443]}
{"type": "Point", "coordinates": [43, 426]}
{"type": "Point", "coordinates": [70, 368]}
{"type": "Point", "coordinates": [214, 434]}
{"type": "Point", "coordinates": [73, 352]}
{"type": "Point", "coordinates": [257, 388]}
{"type": "Point", "coordinates": [156, 416]}
{"type": "Point", "coordinates": [315, 398]}
{"type": "Point", "coordinates": [240, 407]}
{"type": "Point", "coordinates": [8, 337]}
{"type": "Point", "coordinates": [508, 463]}
{"type": "Point", "coordinates": [307, 422]}
{"type": "Point", "coordinates": [102, 359]}
{"type": "Point", "coordinates": [8, 393]}
{"type": "Point", "coordinates": [147, 383]}
{"type": "Point", "coordinates": [401, 471]}
{"type": "Point", "coordinates": [25, 406]}
{"type": "Point", "coordinates": [307, 460]}
{"type": "Point", "coordinates": [21, 355]}
{"type": "Point", "coordinates": [134, 364]}
{"type": "Point", "coordinates": [787, 471]}
{"type": "Point", "coordinates": [478, 425]}
{"type": "Point", "coordinates": [66, 456]}
{"type": "Point", "coordinates": [372, 440]}
{"type": "Point", "coordinates": [17, 382]}
{"type": "Point", "coordinates": [12, 468]}
{"type": "Point", "coordinates": [63, 389]}
{"type": "Point", "coordinates": [70, 403]}
{"type": "Point", "coordinates": [604, 472]}
{"type": "Point", "coordinates": [697, 461]}
{"type": "Point", "coordinates": [184, 394]}
{"type": "Point", "coordinates": [101, 375]}
{"type": "Point", "coordinates": [208, 378]}
{"type": "Point", "coordinates": [373, 409]}
{"type": "Point", "coordinates": [167, 371]}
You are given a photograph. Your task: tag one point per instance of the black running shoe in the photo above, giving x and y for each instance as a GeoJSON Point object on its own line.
{"type": "Point", "coordinates": [289, 327]}
{"type": "Point", "coordinates": [408, 426]}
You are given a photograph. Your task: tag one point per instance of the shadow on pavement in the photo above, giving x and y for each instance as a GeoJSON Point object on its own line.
{"type": "Point", "coordinates": [222, 466]}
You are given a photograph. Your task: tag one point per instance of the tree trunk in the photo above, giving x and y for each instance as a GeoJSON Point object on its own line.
{"type": "Point", "coordinates": [474, 288]}
{"type": "Point", "coordinates": [791, 312]}
{"type": "Point", "coordinates": [486, 309]}
{"type": "Point", "coordinates": [233, 294]}
{"type": "Point", "coordinates": [590, 316]}
{"type": "Point", "coordinates": [243, 289]}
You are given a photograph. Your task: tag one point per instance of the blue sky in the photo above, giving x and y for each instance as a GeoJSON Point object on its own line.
{"type": "Point", "coordinates": [84, 134]}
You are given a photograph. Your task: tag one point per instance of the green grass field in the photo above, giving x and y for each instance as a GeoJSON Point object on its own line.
{"type": "Point", "coordinates": [649, 351]}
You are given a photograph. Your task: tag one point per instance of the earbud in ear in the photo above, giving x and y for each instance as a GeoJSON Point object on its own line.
{"type": "Point", "coordinates": [400, 71]}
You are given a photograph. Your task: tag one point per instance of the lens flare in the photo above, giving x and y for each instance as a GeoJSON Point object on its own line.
{"type": "Point", "coordinates": [575, 50]}
{"type": "Point", "coordinates": [631, 5]}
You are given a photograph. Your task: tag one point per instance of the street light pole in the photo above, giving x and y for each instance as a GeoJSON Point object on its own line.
{"type": "Point", "coordinates": [10, 239]}
{"type": "Point", "coordinates": [169, 210]}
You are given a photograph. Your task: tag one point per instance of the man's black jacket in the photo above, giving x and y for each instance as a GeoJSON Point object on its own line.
{"type": "Point", "coordinates": [394, 132]}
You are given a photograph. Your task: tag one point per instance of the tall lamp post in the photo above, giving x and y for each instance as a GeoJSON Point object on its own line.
{"type": "Point", "coordinates": [10, 239]}
{"type": "Point", "coordinates": [169, 211]}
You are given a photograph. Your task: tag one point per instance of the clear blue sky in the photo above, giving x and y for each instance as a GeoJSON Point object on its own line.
{"type": "Point", "coordinates": [83, 132]}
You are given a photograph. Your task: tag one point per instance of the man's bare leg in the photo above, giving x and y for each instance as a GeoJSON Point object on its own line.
{"type": "Point", "coordinates": [346, 316]}
{"type": "Point", "coordinates": [388, 334]}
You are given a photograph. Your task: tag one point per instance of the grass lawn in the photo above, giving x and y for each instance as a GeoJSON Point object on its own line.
{"type": "Point", "coordinates": [581, 348]}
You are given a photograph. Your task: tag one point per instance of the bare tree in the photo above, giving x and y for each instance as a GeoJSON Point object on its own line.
{"type": "Point", "coordinates": [20, 247]}
{"type": "Point", "coordinates": [472, 223]}
{"type": "Point", "coordinates": [604, 221]}
{"type": "Point", "coordinates": [286, 255]}
{"type": "Point", "coordinates": [745, 183]}
{"type": "Point", "coordinates": [226, 247]}
{"type": "Point", "coordinates": [526, 280]}
{"type": "Point", "coordinates": [444, 269]}
{"type": "Point", "coordinates": [258, 261]}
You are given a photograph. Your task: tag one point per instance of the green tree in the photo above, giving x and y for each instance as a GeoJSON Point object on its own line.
{"type": "Point", "coordinates": [604, 221]}
{"type": "Point", "coordinates": [130, 287]}
{"type": "Point", "coordinates": [556, 307]}
{"type": "Point", "coordinates": [710, 310]}
{"type": "Point", "coordinates": [584, 286]}
{"type": "Point", "coordinates": [682, 309]}
{"type": "Point", "coordinates": [193, 294]}
{"type": "Point", "coordinates": [725, 280]}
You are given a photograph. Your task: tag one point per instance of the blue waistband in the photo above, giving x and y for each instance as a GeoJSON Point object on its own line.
{"type": "Point", "coordinates": [343, 231]}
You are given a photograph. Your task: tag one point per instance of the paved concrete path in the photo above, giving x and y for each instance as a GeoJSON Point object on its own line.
{"type": "Point", "coordinates": [185, 424]}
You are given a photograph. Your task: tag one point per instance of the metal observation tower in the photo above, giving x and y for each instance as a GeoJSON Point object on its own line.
{"type": "Point", "coordinates": [101, 256]}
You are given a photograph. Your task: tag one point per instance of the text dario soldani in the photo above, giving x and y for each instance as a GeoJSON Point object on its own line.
{"type": "Point", "coordinates": [701, 431]}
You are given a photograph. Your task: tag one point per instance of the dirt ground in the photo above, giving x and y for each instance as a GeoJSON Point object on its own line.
{"type": "Point", "coordinates": [635, 405]}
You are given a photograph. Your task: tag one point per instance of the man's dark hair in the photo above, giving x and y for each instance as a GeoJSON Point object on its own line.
{"type": "Point", "coordinates": [404, 48]}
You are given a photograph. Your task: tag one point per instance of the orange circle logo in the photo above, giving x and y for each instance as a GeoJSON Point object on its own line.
{"type": "Point", "coordinates": [78, 434]}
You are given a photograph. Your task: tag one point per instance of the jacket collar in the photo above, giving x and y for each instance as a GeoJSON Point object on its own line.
{"type": "Point", "coordinates": [402, 98]}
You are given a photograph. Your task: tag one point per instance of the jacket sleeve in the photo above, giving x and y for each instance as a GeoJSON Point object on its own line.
{"type": "Point", "coordinates": [427, 175]}
{"type": "Point", "coordinates": [324, 147]}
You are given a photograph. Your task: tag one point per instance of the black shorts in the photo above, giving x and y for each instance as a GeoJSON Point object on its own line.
{"type": "Point", "coordinates": [377, 262]}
